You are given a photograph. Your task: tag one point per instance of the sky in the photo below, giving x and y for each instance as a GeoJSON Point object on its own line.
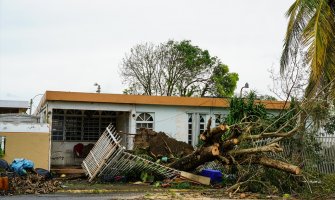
{"type": "Point", "coordinates": [68, 45]}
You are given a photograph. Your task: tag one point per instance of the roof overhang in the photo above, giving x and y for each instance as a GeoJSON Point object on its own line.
{"type": "Point", "coordinates": [147, 100]}
{"type": "Point", "coordinates": [14, 104]}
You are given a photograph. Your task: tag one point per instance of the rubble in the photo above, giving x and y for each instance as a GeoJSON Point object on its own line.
{"type": "Point", "coordinates": [109, 158]}
{"type": "Point", "coordinates": [32, 184]}
{"type": "Point", "coordinates": [21, 178]}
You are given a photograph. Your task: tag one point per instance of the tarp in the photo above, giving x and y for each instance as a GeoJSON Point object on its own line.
{"type": "Point", "coordinates": [20, 165]}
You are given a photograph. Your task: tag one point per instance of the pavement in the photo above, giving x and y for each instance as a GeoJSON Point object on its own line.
{"type": "Point", "coordinates": [112, 196]}
{"type": "Point", "coordinates": [76, 196]}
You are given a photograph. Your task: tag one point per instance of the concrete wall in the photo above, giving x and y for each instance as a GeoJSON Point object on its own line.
{"type": "Point", "coordinates": [62, 153]}
{"type": "Point", "coordinates": [173, 120]}
{"type": "Point", "coordinates": [30, 141]}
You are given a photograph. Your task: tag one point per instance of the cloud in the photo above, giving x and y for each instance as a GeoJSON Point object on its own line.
{"type": "Point", "coordinates": [68, 45]}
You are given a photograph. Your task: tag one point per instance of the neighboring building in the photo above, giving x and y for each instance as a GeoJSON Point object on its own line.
{"type": "Point", "coordinates": [22, 136]}
{"type": "Point", "coordinates": [9, 106]}
{"type": "Point", "coordinates": [77, 117]}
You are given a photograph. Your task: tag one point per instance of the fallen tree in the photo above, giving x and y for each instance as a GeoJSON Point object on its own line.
{"type": "Point", "coordinates": [252, 138]}
{"type": "Point", "coordinates": [227, 151]}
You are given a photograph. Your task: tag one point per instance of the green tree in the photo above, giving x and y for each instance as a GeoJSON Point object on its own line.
{"type": "Point", "coordinates": [224, 82]}
{"type": "Point", "coordinates": [311, 29]}
{"type": "Point", "coordinates": [176, 69]}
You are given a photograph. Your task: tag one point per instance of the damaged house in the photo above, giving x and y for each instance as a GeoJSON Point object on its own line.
{"type": "Point", "coordinates": [77, 119]}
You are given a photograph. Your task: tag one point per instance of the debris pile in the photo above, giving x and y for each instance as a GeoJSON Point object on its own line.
{"type": "Point", "coordinates": [33, 184]}
{"type": "Point", "coordinates": [229, 145]}
{"type": "Point", "coordinates": [159, 144]}
{"type": "Point", "coordinates": [21, 178]}
{"type": "Point", "coordinates": [109, 158]}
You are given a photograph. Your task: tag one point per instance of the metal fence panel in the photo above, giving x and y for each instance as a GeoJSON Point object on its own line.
{"type": "Point", "coordinates": [109, 158]}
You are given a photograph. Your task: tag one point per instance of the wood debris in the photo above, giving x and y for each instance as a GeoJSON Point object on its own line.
{"type": "Point", "coordinates": [32, 184]}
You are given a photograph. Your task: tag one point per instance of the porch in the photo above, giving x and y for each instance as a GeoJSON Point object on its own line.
{"type": "Point", "coordinates": [74, 133]}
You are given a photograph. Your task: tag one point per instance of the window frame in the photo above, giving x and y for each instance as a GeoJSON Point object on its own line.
{"type": "Point", "coordinates": [81, 131]}
{"type": "Point", "coordinates": [144, 121]}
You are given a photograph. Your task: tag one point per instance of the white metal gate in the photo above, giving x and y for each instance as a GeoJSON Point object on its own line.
{"type": "Point", "coordinates": [108, 157]}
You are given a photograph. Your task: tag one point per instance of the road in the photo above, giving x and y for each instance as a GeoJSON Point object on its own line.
{"type": "Point", "coordinates": [76, 196]}
{"type": "Point", "coordinates": [117, 195]}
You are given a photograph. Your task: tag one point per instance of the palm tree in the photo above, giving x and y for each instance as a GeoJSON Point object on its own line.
{"type": "Point", "coordinates": [311, 29]}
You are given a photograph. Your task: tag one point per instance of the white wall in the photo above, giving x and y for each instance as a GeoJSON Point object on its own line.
{"type": "Point", "coordinates": [62, 153]}
{"type": "Point", "coordinates": [173, 120]}
{"type": "Point", "coordinates": [170, 119]}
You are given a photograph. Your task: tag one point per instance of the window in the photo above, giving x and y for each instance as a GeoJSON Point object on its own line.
{"type": "Point", "coordinates": [201, 123]}
{"type": "Point", "coordinates": [144, 120]}
{"type": "Point", "coordinates": [91, 125]}
{"type": "Point", "coordinates": [73, 125]}
{"type": "Point", "coordinates": [196, 125]}
{"type": "Point", "coordinates": [107, 117]}
{"type": "Point", "coordinates": [57, 124]}
{"type": "Point", "coordinates": [190, 130]}
{"type": "Point", "coordinates": [219, 119]}
{"type": "Point", "coordinates": [77, 125]}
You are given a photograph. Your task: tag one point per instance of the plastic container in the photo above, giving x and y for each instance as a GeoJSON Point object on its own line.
{"type": "Point", "coordinates": [4, 184]}
{"type": "Point", "coordinates": [214, 175]}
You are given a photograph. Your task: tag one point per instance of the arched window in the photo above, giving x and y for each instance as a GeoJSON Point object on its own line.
{"type": "Point", "coordinates": [144, 120]}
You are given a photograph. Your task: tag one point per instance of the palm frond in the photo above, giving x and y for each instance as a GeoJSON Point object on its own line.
{"type": "Point", "coordinates": [318, 38]}
{"type": "Point", "coordinates": [296, 23]}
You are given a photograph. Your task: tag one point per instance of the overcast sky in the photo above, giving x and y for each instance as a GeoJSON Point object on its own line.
{"type": "Point", "coordinates": [69, 45]}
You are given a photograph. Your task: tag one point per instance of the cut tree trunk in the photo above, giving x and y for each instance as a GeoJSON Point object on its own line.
{"type": "Point", "coordinates": [198, 157]}
{"type": "Point", "coordinates": [229, 144]}
{"type": "Point", "coordinates": [209, 133]}
{"type": "Point", "coordinates": [268, 148]}
{"type": "Point", "coordinates": [277, 164]}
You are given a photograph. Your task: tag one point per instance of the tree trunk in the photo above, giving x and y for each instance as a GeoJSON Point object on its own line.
{"type": "Point", "coordinates": [268, 148]}
{"type": "Point", "coordinates": [229, 144]}
{"type": "Point", "coordinates": [209, 133]}
{"type": "Point", "coordinates": [199, 157]}
{"type": "Point", "coordinates": [277, 164]}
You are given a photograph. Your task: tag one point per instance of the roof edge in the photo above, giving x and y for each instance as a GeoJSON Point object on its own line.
{"type": "Point", "coordinates": [148, 100]}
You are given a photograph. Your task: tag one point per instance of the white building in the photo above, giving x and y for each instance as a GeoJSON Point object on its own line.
{"type": "Point", "coordinates": [77, 117]}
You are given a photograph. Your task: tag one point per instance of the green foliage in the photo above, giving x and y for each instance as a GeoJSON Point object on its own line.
{"type": "Point", "coordinates": [191, 57]}
{"type": "Point", "coordinates": [303, 149]}
{"type": "Point", "coordinates": [224, 82]}
{"type": "Point", "coordinates": [176, 68]}
{"type": "Point", "coordinates": [311, 28]}
{"type": "Point", "coordinates": [329, 127]}
{"type": "Point", "coordinates": [182, 185]}
{"type": "Point", "coordinates": [245, 110]}
{"type": "Point", "coordinates": [326, 185]}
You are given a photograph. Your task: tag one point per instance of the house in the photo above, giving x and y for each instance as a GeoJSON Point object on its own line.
{"type": "Point", "coordinates": [10, 106]}
{"type": "Point", "coordinates": [22, 135]}
{"type": "Point", "coordinates": [77, 117]}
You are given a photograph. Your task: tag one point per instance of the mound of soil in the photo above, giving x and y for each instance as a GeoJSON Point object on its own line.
{"type": "Point", "coordinates": [160, 144]}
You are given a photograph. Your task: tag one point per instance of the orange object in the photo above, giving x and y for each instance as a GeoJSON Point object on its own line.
{"type": "Point", "coordinates": [4, 183]}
